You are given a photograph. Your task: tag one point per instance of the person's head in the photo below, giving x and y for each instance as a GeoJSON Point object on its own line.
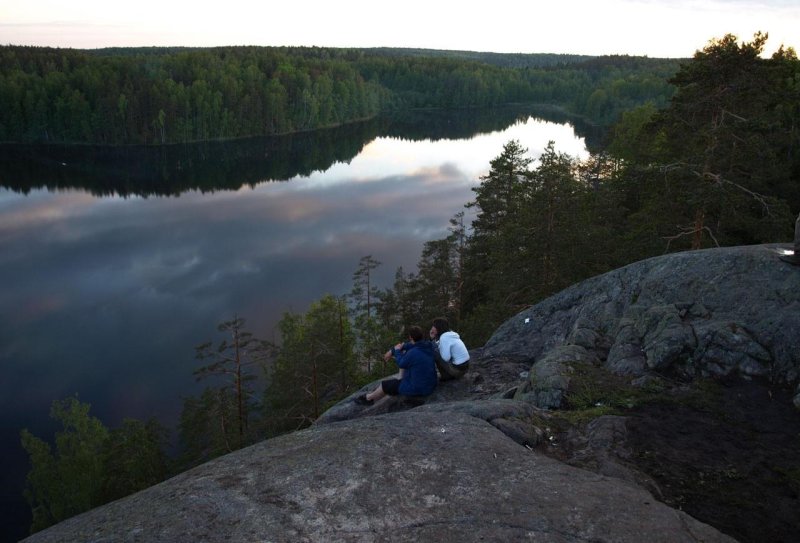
{"type": "Point", "coordinates": [440, 326]}
{"type": "Point", "coordinates": [414, 333]}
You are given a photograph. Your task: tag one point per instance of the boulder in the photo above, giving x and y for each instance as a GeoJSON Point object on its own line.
{"type": "Point", "coordinates": [720, 313]}
{"type": "Point", "coordinates": [435, 473]}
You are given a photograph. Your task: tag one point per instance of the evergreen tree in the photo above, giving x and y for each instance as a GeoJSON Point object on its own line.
{"type": "Point", "coordinates": [553, 230]}
{"type": "Point", "coordinates": [329, 342]}
{"type": "Point", "coordinates": [134, 458]}
{"type": "Point", "coordinates": [536, 232]}
{"type": "Point", "coordinates": [363, 297]}
{"type": "Point", "coordinates": [712, 162]}
{"type": "Point", "coordinates": [436, 283]}
{"type": "Point", "coordinates": [90, 465]}
{"type": "Point", "coordinates": [207, 427]}
{"type": "Point", "coordinates": [68, 480]}
{"type": "Point", "coordinates": [492, 285]}
{"type": "Point", "coordinates": [314, 365]}
{"type": "Point", "coordinates": [458, 241]}
{"type": "Point", "coordinates": [398, 304]}
{"type": "Point", "coordinates": [233, 360]}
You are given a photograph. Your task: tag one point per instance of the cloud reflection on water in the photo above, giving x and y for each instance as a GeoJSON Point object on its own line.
{"type": "Point", "coordinates": [139, 264]}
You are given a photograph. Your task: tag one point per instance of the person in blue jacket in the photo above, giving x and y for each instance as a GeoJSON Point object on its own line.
{"type": "Point", "coordinates": [417, 370]}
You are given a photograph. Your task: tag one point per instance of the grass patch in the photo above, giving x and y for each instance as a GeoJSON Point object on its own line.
{"type": "Point", "coordinates": [594, 391]}
{"type": "Point", "coordinates": [593, 388]}
{"type": "Point", "coordinates": [579, 417]}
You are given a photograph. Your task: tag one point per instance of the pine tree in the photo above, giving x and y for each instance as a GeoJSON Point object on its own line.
{"type": "Point", "coordinates": [314, 364]}
{"type": "Point", "coordinates": [233, 360]}
{"type": "Point", "coordinates": [713, 161]}
{"type": "Point", "coordinates": [363, 297]}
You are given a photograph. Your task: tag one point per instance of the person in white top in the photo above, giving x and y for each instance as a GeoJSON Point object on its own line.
{"type": "Point", "coordinates": [451, 355]}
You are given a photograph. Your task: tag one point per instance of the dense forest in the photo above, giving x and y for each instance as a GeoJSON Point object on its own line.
{"type": "Point", "coordinates": [172, 95]}
{"type": "Point", "coordinates": [719, 164]}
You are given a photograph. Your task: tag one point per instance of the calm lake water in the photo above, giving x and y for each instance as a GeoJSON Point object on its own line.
{"type": "Point", "coordinates": [115, 267]}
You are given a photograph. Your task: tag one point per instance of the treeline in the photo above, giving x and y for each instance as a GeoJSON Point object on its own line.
{"type": "Point", "coordinates": [505, 60]}
{"type": "Point", "coordinates": [719, 166]}
{"type": "Point", "coordinates": [230, 165]}
{"type": "Point", "coordinates": [171, 95]}
{"type": "Point", "coordinates": [54, 95]}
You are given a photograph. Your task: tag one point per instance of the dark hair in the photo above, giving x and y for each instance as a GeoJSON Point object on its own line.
{"type": "Point", "coordinates": [414, 332]}
{"type": "Point", "coordinates": [441, 325]}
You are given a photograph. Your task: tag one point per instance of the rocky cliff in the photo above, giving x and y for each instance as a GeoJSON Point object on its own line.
{"type": "Point", "coordinates": [552, 436]}
{"type": "Point", "coordinates": [715, 313]}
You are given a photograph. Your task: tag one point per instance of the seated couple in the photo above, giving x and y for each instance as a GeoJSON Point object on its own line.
{"type": "Point", "coordinates": [418, 361]}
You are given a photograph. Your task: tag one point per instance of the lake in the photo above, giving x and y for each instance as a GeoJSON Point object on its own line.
{"type": "Point", "coordinates": [118, 262]}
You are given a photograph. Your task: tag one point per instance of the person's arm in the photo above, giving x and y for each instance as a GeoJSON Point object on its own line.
{"type": "Point", "coordinates": [397, 352]}
{"type": "Point", "coordinates": [399, 348]}
{"type": "Point", "coordinates": [444, 348]}
{"type": "Point", "coordinates": [404, 356]}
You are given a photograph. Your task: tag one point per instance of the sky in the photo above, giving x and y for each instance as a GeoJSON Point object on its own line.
{"type": "Point", "coordinates": [655, 28]}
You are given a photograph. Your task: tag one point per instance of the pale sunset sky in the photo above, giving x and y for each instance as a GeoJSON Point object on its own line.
{"type": "Point", "coordinates": [666, 28]}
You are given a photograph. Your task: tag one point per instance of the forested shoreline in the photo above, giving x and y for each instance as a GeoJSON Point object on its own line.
{"type": "Point", "coordinates": [174, 95]}
{"type": "Point", "coordinates": [717, 166]}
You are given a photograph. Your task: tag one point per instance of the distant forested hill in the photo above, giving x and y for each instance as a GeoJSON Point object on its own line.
{"type": "Point", "coordinates": [505, 60]}
{"type": "Point", "coordinates": [169, 95]}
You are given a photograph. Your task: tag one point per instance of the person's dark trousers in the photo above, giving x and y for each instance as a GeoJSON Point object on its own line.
{"type": "Point", "coordinates": [448, 371]}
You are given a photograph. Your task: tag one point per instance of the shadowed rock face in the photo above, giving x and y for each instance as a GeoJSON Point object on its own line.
{"type": "Point", "coordinates": [712, 313]}
{"type": "Point", "coordinates": [430, 474]}
{"type": "Point", "coordinates": [466, 465]}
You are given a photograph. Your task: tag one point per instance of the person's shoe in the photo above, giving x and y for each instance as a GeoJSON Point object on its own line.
{"type": "Point", "coordinates": [362, 400]}
{"type": "Point", "coordinates": [792, 258]}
